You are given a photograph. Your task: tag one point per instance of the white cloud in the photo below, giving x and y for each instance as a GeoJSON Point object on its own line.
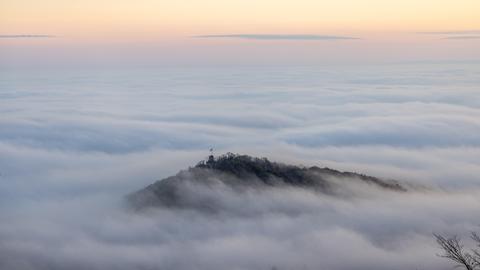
{"type": "Point", "coordinates": [73, 143]}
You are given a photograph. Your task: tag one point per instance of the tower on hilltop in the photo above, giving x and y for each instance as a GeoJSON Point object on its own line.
{"type": "Point", "coordinates": [211, 159]}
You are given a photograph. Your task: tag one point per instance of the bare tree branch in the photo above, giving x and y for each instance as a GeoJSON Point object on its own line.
{"type": "Point", "coordinates": [453, 250]}
{"type": "Point", "coordinates": [476, 253]}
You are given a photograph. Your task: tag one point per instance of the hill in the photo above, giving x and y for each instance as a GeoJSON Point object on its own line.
{"type": "Point", "coordinates": [201, 186]}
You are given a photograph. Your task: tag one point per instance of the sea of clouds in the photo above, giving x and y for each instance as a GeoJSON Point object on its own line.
{"type": "Point", "coordinates": [73, 143]}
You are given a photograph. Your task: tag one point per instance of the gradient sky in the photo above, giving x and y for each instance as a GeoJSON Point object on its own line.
{"type": "Point", "coordinates": [156, 32]}
{"type": "Point", "coordinates": [74, 142]}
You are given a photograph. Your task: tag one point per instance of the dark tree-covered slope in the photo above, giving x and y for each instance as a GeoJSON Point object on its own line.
{"type": "Point", "coordinates": [200, 186]}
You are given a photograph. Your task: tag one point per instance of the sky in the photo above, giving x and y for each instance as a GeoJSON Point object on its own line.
{"type": "Point", "coordinates": [99, 99]}
{"type": "Point", "coordinates": [166, 33]}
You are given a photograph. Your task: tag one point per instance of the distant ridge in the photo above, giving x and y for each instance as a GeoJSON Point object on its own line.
{"type": "Point", "coordinates": [241, 172]}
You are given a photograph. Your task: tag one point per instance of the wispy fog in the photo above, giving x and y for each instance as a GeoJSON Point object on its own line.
{"type": "Point", "coordinates": [73, 143]}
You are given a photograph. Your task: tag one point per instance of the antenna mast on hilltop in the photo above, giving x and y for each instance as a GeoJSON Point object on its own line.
{"type": "Point", "coordinates": [211, 159]}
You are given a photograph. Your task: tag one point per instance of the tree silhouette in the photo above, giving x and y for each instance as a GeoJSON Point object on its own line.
{"type": "Point", "coordinates": [454, 250]}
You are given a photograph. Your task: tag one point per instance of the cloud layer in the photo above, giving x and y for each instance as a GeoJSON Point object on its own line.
{"type": "Point", "coordinates": [464, 32]}
{"type": "Point", "coordinates": [278, 37]}
{"type": "Point", "coordinates": [74, 142]}
{"type": "Point", "coordinates": [456, 35]}
{"type": "Point", "coordinates": [26, 36]}
{"type": "Point", "coordinates": [464, 37]}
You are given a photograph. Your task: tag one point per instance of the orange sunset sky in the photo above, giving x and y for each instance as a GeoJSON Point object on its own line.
{"type": "Point", "coordinates": [148, 31]}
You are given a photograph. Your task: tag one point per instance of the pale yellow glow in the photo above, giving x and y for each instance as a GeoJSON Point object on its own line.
{"type": "Point", "coordinates": [159, 32]}
{"type": "Point", "coordinates": [190, 17]}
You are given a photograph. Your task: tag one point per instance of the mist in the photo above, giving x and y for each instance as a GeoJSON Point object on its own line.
{"type": "Point", "coordinates": [74, 143]}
